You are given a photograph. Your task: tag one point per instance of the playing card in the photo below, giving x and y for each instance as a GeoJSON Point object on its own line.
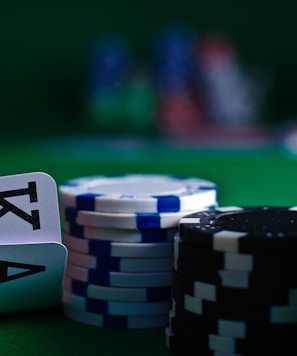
{"type": "Point", "coordinates": [29, 209]}
{"type": "Point", "coordinates": [31, 276]}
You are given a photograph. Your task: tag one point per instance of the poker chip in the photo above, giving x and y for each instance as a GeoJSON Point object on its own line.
{"type": "Point", "coordinates": [234, 278]}
{"type": "Point", "coordinates": [229, 344]}
{"type": "Point", "coordinates": [179, 347]}
{"type": "Point", "coordinates": [131, 194]}
{"type": "Point", "coordinates": [173, 52]}
{"type": "Point", "coordinates": [119, 279]}
{"type": "Point", "coordinates": [118, 264]}
{"type": "Point", "coordinates": [118, 249]}
{"type": "Point", "coordinates": [116, 321]}
{"type": "Point", "coordinates": [230, 92]}
{"type": "Point", "coordinates": [221, 294]}
{"type": "Point", "coordinates": [130, 294]}
{"type": "Point", "coordinates": [234, 282]}
{"type": "Point", "coordinates": [270, 230]}
{"type": "Point", "coordinates": [110, 63]}
{"type": "Point", "coordinates": [241, 329]}
{"type": "Point", "coordinates": [114, 308]}
{"type": "Point", "coordinates": [232, 261]}
{"type": "Point", "coordinates": [280, 314]}
{"type": "Point", "coordinates": [119, 235]}
{"type": "Point", "coordinates": [136, 221]}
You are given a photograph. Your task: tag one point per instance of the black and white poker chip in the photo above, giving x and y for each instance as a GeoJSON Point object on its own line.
{"type": "Point", "coordinates": [266, 230]}
{"type": "Point", "coordinates": [220, 294]}
{"type": "Point", "coordinates": [241, 329]}
{"type": "Point", "coordinates": [229, 344]}
{"type": "Point", "coordinates": [234, 278]}
{"type": "Point", "coordinates": [233, 261]}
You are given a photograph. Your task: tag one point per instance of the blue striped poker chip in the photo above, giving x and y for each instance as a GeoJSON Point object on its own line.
{"type": "Point", "coordinates": [119, 249]}
{"type": "Point", "coordinates": [136, 221]}
{"type": "Point", "coordinates": [134, 193]}
{"type": "Point", "coordinates": [116, 321]}
{"type": "Point", "coordinates": [130, 294]}
{"type": "Point", "coordinates": [119, 235]}
{"type": "Point", "coordinates": [99, 306]}
{"type": "Point", "coordinates": [119, 279]}
{"type": "Point", "coordinates": [120, 264]}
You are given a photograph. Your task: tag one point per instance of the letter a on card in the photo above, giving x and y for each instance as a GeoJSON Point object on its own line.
{"type": "Point", "coordinates": [31, 276]}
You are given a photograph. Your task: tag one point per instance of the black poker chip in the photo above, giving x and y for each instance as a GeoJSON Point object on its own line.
{"type": "Point", "coordinates": [234, 278]}
{"type": "Point", "coordinates": [265, 230]}
{"type": "Point", "coordinates": [276, 314]}
{"type": "Point", "coordinates": [243, 329]}
{"type": "Point", "coordinates": [265, 296]}
{"type": "Point", "coordinates": [179, 347]}
{"type": "Point", "coordinates": [230, 260]}
{"type": "Point", "coordinates": [223, 343]}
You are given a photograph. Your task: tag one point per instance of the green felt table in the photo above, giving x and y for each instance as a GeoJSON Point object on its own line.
{"type": "Point", "coordinates": [265, 176]}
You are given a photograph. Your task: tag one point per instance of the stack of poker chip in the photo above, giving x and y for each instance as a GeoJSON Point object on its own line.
{"type": "Point", "coordinates": [235, 283]}
{"type": "Point", "coordinates": [119, 233]}
{"type": "Point", "coordinates": [110, 66]}
{"type": "Point", "coordinates": [178, 109]}
{"type": "Point", "coordinates": [231, 95]}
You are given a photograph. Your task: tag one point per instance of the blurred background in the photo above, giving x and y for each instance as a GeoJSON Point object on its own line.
{"type": "Point", "coordinates": [156, 68]}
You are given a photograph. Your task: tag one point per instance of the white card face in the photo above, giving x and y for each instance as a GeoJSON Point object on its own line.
{"type": "Point", "coordinates": [29, 209]}
{"type": "Point", "coordinates": [31, 276]}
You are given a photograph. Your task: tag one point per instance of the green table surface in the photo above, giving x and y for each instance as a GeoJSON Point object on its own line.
{"type": "Point", "coordinates": [255, 176]}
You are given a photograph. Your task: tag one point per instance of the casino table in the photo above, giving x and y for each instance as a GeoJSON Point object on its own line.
{"type": "Point", "coordinates": [250, 176]}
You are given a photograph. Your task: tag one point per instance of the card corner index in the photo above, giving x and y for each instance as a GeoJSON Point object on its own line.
{"type": "Point", "coordinates": [29, 203]}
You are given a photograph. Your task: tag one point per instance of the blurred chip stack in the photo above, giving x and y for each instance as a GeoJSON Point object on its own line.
{"type": "Point", "coordinates": [229, 92]}
{"type": "Point", "coordinates": [178, 107]}
{"type": "Point", "coordinates": [109, 71]}
{"type": "Point", "coordinates": [193, 86]}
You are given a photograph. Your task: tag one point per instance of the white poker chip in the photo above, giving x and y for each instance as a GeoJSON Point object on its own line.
{"type": "Point", "coordinates": [119, 235]}
{"type": "Point", "coordinates": [137, 193]}
{"type": "Point", "coordinates": [119, 279]}
{"type": "Point", "coordinates": [118, 249]}
{"type": "Point", "coordinates": [119, 294]}
{"type": "Point", "coordinates": [116, 321]}
{"type": "Point", "coordinates": [114, 308]}
{"type": "Point", "coordinates": [137, 221]}
{"type": "Point", "coordinates": [118, 264]}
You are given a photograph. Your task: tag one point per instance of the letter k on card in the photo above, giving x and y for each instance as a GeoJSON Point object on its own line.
{"type": "Point", "coordinates": [29, 209]}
